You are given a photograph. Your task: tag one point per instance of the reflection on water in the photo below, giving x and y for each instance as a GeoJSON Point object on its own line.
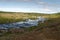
{"type": "Point", "coordinates": [27, 23]}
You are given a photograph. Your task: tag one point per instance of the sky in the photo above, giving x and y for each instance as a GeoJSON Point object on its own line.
{"type": "Point", "coordinates": [40, 6]}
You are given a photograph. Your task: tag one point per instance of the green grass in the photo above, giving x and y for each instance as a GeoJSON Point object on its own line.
{"type": "Point", "coordinates": [4, 20]}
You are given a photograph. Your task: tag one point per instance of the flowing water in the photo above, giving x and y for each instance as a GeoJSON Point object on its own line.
{"type": "Point", "coordinates": [27, 23]}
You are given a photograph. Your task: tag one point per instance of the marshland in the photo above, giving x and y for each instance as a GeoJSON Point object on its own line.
{"type": "Point", "coordinates": [50, 29]}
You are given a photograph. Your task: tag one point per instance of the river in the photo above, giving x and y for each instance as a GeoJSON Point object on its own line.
{"type": "Point", "coordinates": [27, 23]}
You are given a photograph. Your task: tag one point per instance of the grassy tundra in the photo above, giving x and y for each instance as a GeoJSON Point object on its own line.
{"type": "Point", "coordinates": [50, 30]}
{"type": "Point", "coordinates": [9, 17]}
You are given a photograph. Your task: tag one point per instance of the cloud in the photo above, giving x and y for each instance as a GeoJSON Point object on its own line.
{"type": "Point", "coordinates": [24, 0]}
{"type": "Point", "coordinates": [41, 2]}
{"type": "Point", "coordinates": [17, 0]}
{"type": "Point", "coordinates": [40, 10]}
{"type": "Point", "coordinates": [47, 9]}
{"type": "Point", "coordinates": [27, 0]}
{"type": "Point", "coordinates": [44, 4]}
{"type": "Point", "coordinates": [47, 4]}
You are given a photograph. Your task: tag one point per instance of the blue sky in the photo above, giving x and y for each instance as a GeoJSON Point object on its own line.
{"type": "Point", "coordinates": [40, 6]}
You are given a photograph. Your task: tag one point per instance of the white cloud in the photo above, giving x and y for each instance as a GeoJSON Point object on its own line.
{"type": "Point", "coordinates": [27, 0]}
{"type": "Point", "coordinates": [17, 0]}
{"type": "Point", "coordinates": [47, 9]}
{"type": "Point", "coordinates": [24, 0]}
{"type": "Point", "coordinates": [41, 2]}
{"type": "Point", "coordinates": [40, 10]}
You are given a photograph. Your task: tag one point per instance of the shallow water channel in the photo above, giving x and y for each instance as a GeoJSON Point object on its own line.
{"type": "Point", "coordinates": [27, 23]}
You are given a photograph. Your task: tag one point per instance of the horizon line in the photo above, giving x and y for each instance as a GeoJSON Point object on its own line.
{"type": "Point", "coordinates": [30, 12]}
